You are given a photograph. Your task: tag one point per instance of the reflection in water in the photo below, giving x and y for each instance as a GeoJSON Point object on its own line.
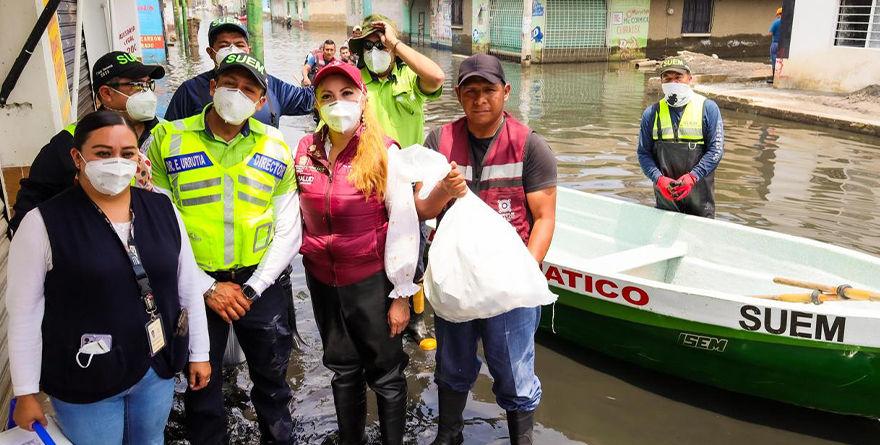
{"type": "Point", "coordinates": [792, 178]}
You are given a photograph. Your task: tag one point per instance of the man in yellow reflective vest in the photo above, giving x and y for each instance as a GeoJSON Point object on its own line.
{"type": "Point", "coordinates": [228, 175]}
{"type": "Point", "coordinates": [681, 143]}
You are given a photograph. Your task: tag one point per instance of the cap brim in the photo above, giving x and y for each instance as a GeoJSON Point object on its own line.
{"type": "Point", "coordinates": [489, 77]}
{"type": "Point", "coordinates": [229, 27]}
{"type": "Point", "coordinates": [140, 70]}
{"type": "Point", "coordinates": [247, 68]}
{"type": "Point", "coordinates": [675, 69]}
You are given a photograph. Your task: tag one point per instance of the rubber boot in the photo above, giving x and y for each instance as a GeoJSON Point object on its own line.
{"type": "Point", "coordinates": [350, 400]}
{"type": "Point", "coordinates": [392, 419]}
{"type": "Point", "coordinates": [449, 430]}
{"type": "Point", "coordinates": [520, 425]}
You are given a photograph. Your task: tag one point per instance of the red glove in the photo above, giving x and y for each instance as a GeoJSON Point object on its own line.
{"type": "Point", "coordinates": [664, 185]}
{"type": "Point", "coordinates": [686, 183]}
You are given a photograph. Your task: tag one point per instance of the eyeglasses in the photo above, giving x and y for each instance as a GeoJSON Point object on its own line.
{"type": "Point", "coordinates": [369, 44]}
{"type": "Point", "coordinates": [138, 86]}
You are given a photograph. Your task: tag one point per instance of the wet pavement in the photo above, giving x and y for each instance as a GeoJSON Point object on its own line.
{"type": "Point", "coordinates": [784, 176]}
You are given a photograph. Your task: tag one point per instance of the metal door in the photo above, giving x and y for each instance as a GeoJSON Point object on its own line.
{"type": "Point", "coordinates": [67, 23]}
{"type": "Point", "coordinates": [505, 26]}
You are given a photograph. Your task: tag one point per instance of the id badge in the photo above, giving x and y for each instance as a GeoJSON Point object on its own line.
{"type": "Point", "coordinates": [155, 335]}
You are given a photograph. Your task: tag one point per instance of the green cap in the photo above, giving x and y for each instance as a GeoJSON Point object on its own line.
{"type": "Point", "coordinates": [248, 62]}
{"type": "Point", "coordinates": [675, 64]}
{"type": "Point", "coordinates": [355, 44]}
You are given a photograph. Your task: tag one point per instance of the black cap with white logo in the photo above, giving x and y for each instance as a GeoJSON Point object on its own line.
{"type": "Point", "coordinates": [122, 64]}
{"type": "Point", "coordinates": [226, 24]}
{"type": "Point", "coordinates": [245, 61]}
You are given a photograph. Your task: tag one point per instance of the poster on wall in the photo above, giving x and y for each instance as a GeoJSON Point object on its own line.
{"type": "Point", "coordinates": [126, 29]}
{"type": "Point", "coordinates": [628, 30]}
{"type": "Point", "coordinates": [152, 36]}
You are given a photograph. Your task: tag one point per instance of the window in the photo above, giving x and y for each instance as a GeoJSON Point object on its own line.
{"type": "Point", "coordinates": [696, 17]}
{"type": "Point", "coordinates": [858, 24]}
{"type": "Point", "coordinates": [457, 12]}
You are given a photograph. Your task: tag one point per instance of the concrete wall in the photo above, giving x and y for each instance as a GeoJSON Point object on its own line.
{"type": "Point", "coordinates": [462, 36]}
{"type": "Point", "coordinates": [329, 13]}
{"type": "Point", "coordinates": [393, 9]}
{"type": "Point", "coordinates": [814, 63]}
{"type": "Point", "coordinates": [739, 29]}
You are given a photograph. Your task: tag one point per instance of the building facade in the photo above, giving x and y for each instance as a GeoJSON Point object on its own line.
{"type": "Point", "coordinates": [834, 47]}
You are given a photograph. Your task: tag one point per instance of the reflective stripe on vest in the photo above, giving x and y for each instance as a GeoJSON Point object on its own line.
{"type": "Point", "coordinates": [500, 185]}
{"type": "Point", "coordinates": [228, 212]}
{"type": "Point", "coordinates": [690, 127]}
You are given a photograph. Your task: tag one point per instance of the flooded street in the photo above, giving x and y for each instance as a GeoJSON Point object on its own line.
{"type": "Point", "coordinates": [779, 175]}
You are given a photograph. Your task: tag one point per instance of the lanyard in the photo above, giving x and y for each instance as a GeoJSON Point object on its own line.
{"type": "Point", "coordinates": [140, 273]}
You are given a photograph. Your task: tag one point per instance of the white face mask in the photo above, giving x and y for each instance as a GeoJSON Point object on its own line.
{"type": "Point", "coordinates": [233, 106]}
{"type": "Point", "coordinates": [141, 106]}
{"type": "Point", "coordinates": [110, 176]}
{"type": "Point", "coordinates": [91, 349]}
{"type": "Point", "coordinates": [221, 54]}
{"type": "Point", "coordinates": [677, 94]}
{"type": "Point", "coordinates": [377, 60]}
{"type": "Point", "coordinates": [341, 115]}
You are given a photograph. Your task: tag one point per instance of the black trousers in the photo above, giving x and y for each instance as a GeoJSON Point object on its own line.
{"type": "Point", "coordinates": [353, 323]}
{"type": "Point", "coordinates": [265, 338]}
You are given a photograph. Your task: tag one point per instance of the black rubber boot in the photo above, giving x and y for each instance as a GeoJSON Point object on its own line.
{"type": "Point", "coordinates": [392, 419]}
{"type": "Point", "coordinates": [449, 430]}
{"type": "Point", "coordinates": [520, 425]}
{"type": "Point", "coordinates": [350, 400]}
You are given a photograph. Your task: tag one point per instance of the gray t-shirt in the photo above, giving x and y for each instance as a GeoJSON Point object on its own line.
{"type": "Point", "coordinates": [539, 162]}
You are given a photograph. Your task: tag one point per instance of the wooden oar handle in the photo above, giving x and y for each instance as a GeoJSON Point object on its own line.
{"type": "Point", "coordinates": [856, 294]}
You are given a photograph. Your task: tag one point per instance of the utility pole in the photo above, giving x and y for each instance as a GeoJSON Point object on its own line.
{"type": "Point", "coordinates": [255, 27]}
{"type": "Point", "coordinates": [526, 55]}
{"type": "Point", "coordinates": [178, 23]}
{"type": "Point", "coordinates": [185, 18]}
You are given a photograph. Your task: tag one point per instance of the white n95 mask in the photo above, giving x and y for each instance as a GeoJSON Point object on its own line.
{"type": "Point", "coordinates": [377, 60]}
{"type": "Point", "coordinates": [110, 176]}
{"type": "Point", "coordinates": [221, 54]}
{"type": "Point", "coordinates": [677, 94]}
{"type": "Point", "coordinates": [233, 106]}
{"type": "Point", "coordinates": [341, 115]}
{"type": "Point", "coordinates": [142, 106]}
{"type": "Point", "coordinates": [91, 349]}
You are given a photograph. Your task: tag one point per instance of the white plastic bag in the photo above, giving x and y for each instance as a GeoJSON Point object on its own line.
{"type": "Point", "coordinates": [420, 164]}
{"type": "Point", "coordinates": [478, 266]}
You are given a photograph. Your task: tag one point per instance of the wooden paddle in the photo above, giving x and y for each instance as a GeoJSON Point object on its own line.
{"type": "Point", "coordinates": [800, 298]}
{"type": "Point", "coordinates": [848, 292]}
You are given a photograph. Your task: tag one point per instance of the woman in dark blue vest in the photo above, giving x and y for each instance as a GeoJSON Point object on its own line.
{"type": "Point", "coordinates": [105, 299]}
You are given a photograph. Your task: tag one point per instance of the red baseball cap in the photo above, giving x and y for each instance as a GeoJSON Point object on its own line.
{"type": "Point", "coordinates": [345, 69]}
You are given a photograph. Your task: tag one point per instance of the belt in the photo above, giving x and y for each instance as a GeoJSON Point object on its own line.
{"type": "Point", "coordinates": [242, 273]}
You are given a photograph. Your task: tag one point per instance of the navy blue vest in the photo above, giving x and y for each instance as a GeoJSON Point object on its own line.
{"type": "Point", "coordinates": [91, 289]}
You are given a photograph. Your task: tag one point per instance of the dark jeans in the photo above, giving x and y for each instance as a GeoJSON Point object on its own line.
{"type": "Point", "coordinates": [353, 323]}
{"type": "Point", "coordinates": [265, 338]}
{"type": "Point", "coordinates": [774, 48]}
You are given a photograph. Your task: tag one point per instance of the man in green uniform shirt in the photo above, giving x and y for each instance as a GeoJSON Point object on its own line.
{"type": "Point", "coordinates": [399, 80]}
{"type": "Point", "coordinates": [229, 176]}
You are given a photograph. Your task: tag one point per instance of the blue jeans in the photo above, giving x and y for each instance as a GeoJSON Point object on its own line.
{"type": "Point", "coordinates": [136, 416]}
{"type": "Point", "coordinates": [774, 48]}
{"type": "Point", "coordinates": [509, 347]}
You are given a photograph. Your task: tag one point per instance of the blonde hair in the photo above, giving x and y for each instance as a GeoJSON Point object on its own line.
{"type": "Point", "coordinates": [369, 169]}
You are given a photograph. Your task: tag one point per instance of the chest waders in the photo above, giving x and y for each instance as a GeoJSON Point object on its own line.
{"type": "Point", "coordinates": [677, 150]}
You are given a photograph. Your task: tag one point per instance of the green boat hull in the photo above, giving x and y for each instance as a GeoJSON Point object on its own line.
{"type": "Point", "coordinates": [831, 377]}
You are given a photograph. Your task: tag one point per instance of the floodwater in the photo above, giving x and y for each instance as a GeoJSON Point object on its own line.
{"type": "Point", "coordinates": [793, 178]}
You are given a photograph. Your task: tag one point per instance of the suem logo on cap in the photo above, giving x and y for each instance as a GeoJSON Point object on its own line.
{"type": "Point", "coordinates": [126, 58]}
{"type": "Point", "coordinates": [225, 21]}
{"type": "Point", "coordinates": [669, 62]}
{"type": "Point", "coordinates": [246, 59]}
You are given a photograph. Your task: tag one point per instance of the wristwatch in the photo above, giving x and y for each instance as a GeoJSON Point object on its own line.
{"type": "Point", "coordinates": [249, 292]}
